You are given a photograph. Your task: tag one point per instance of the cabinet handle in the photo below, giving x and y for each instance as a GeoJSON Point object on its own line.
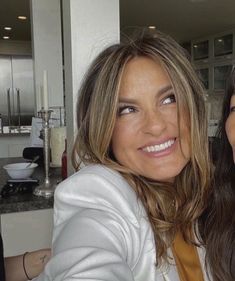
{"type": "Point", "coordinates": [9, 106]}
{"type": "Point", "coordinates": [18, 106]}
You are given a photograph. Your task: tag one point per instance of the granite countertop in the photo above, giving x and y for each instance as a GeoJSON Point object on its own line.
{"type": "Point", "coordinates": [27, 201]}
{"type": "Point", "coordinates": [14, 134]}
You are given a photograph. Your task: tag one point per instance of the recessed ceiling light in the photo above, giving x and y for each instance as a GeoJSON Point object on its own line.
{"type": "Point", "coordinates": [152, 27]}
{"type": "Point", "coordinates": [6, 37]}
{"type": "Point", "coordinates": [7, 28]}
{"type": "Point", "coordinates": [22, 17]}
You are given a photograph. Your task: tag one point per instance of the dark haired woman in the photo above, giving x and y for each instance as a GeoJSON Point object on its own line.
{"type": "Point", "coordinates": [220, 220]}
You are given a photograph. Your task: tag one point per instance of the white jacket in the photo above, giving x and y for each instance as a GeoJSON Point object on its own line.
{"type": "Point", "coordinates": [101, 232]}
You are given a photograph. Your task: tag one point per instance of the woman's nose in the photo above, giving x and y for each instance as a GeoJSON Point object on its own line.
{"type": "Point", "coordinates": [154, 123]}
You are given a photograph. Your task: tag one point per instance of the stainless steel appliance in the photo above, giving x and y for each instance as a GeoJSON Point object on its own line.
{"type": "Point", "coordinates": [17, 100]}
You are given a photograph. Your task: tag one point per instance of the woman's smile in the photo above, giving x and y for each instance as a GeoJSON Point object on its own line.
{"type": "Point", "coordinates": [164, 146]}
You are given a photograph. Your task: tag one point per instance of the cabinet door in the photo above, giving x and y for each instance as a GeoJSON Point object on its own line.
{"type": "Point", "coordinates": [221, 73]}
{"type": "Point", "coordinates": [26, 231]}
{"type": "Point", "coordinates": [201, 50]}
{"type": "Point", "coordinates": [203, 74]}
{"type": "Point", "coordinates": [223, 45]}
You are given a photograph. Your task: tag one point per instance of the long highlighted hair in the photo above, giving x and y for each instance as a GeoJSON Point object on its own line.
{"type": "Point", "coordinates": [170, 207]}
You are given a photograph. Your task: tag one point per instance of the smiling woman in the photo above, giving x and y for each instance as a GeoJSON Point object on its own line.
{"type": "Point", "coordinates": [146, 134]}
{"type": "Point", "coordinates": [131, 213]}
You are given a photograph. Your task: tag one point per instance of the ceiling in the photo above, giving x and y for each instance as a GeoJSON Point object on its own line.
{"type": "Point", "coordinates": [182, 19]}
{"type": "Point", "coordinates": [9, 11]}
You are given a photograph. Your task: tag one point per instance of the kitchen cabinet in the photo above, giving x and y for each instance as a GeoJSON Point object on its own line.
{"type": "Point", "coordinates": [214, 58]}
{"type": "Point", "coordinates": [223, 46]}
{"type": "Point", "coordinates": [26, 231]}
{"type": "Point", "coordinates": [203, 73]}
{"type": "Point", "coordinates": [220, 75]}
{"type": "Point", "coordinates": [200, 50]}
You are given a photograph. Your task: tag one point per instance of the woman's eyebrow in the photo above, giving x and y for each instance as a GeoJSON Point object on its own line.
{"type": "Point", "coordinates": [165, 89]}
{"type": "Point", "coordinates": [159, 93]}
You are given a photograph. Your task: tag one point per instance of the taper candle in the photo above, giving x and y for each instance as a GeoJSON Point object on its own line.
{"type": "Point", "coordinates": [45, 91]}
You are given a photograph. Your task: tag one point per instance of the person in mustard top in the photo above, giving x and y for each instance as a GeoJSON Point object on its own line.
{"type": "Point", "coordinates": [131, 213]}
{"type": "Point", "coordinates": [219, 218]}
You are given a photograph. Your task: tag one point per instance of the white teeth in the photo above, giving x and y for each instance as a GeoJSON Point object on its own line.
{"type": "Point", "coordinates": [158, 147]}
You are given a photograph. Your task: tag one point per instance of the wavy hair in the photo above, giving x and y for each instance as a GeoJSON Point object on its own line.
{"type": "Point", "coordinates": [219, 218]}
{"type": "Point", "coordinates": [168, 211]}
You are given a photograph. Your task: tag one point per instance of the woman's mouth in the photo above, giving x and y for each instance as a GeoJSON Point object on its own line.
{"type": "Point", "coordinates": [159, 147]}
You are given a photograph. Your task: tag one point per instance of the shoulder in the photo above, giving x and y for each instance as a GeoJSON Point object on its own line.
{"type": "Point", "coordinates": [95, 179]}
{"type": "Point", "coordinates": [97, 187]}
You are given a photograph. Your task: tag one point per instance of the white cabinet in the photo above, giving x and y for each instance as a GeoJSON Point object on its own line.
{"type": "Point", "coordinates": [26, 231]}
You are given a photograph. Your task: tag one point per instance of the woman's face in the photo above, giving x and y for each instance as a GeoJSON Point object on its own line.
{"type": "Point", "coordinates": [230, 125]}
{"type": "Point", "coordinates": [146, 136]}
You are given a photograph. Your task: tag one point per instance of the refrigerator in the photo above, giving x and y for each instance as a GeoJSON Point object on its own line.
{"type": "Point", "coordinates": [17, 98]}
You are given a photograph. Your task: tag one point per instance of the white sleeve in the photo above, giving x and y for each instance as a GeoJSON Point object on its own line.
{"type": "Point", "coordinates": [96, 234]}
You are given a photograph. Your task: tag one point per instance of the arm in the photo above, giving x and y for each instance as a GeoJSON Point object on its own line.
{"type": "Point", "coordinates": [34, 263]}
{"type": "Point", "coordinates": [96, 233]}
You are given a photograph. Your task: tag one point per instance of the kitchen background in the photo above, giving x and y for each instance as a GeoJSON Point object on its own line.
{"type": "Point", "coordinates": [206, 28]}
{"type": "Point", "coordinates": [41, 42]}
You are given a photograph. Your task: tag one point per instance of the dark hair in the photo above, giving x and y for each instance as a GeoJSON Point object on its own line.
{"type": "Point", "coordinates": [219, 219]}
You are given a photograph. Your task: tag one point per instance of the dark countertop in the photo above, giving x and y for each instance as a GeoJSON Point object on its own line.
{"type": "Point", "coordinates": [27, 201]}
{"type": "Point", "coordinates": [14, 134]}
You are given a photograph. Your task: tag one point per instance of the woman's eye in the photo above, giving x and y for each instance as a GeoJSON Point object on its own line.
{"type": "Point", "coordinates": [169, 99]}
{"type": "Point", "coordinates": [232, 108]}
{"type": "Point", "coordinates": [126, 110]}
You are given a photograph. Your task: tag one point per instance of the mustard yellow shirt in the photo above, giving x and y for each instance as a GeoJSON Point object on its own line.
{"type": "Point", "coordinates": [187, 260]}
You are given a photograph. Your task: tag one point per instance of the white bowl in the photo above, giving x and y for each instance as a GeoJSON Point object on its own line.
{"type": "Point", "coordinates": [20, 170]}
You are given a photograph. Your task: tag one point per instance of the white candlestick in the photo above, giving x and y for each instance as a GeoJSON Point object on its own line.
{"type": "Point", "coordinates": [45, 91]}
{"type": "Point", "coordinates": [41, 98]}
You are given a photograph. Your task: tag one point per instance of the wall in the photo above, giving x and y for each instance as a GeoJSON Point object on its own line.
{"type": "Point", "coordinates": [47, 49]}
{"type": "Point", "coordinates": [89, 26]}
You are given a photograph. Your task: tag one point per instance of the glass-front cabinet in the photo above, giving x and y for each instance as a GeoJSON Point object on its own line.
{"type": "Point", "coordinates": [223, 46]}
{"type": "Point", "coordinates": [214, 58]}
{"type": "Point", "coordinates": [203, 74]}
{"type": "Point", "coordinates": [220, 75]}
{"type": "Point", "coordinates": [201, 50]}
